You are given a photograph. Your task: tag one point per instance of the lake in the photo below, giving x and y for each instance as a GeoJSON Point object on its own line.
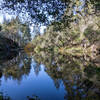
{"type": "Point", "coordinates": [29, 73]}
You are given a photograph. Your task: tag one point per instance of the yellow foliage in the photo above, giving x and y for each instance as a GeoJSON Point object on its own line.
{"type": "Point", "coordinates": [29, 48]}
{"type": "Point", "coordinates": [61, 50]}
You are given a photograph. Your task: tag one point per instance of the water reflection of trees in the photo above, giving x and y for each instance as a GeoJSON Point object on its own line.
{"type": "Point", "coordinates": [16, 68]}
{"type": "Point", "coordinates": [80, 77]}
{"type": "Point", "coordinates": [15, 30]}
{"type": "Point", "coordinates": [6, 97]}
{"type": "Point", "coordinates": [3, 97]}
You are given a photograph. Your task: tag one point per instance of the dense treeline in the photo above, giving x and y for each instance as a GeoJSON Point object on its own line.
{"type": "Point", "coordinates": [16, 31]}
{"type": "Point", "coordinates": [77, 32]}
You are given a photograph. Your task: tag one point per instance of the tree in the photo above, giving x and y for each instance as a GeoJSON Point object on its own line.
{"type": "Point", "coordinates": [16, 31]}
{"type": "Point", "coordinates": [40, 11]}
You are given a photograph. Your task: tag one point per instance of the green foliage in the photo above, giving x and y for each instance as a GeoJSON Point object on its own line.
{"type": "Point", "coordinates": [73, 30]}
{"type": "Point", "coordinates": [16, 31]}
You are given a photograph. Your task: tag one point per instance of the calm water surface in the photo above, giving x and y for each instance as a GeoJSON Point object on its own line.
{"type": "Point", "coordinates": [23, 78]}
{"type": "Point", "coordinates": [32, 85]}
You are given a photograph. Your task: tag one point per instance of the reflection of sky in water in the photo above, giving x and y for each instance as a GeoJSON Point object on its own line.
{"type": "Point", "coordinates": [41, 85]}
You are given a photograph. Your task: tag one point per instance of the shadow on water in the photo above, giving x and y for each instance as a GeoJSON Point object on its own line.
{"type": "Point", "coordinates": [8, 49]}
